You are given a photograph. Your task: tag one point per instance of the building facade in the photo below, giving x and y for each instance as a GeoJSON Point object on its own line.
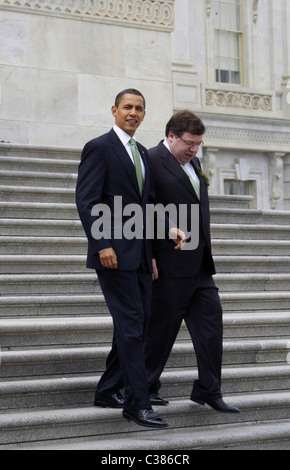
{"type": "Point", "coordinates": [63, 61]}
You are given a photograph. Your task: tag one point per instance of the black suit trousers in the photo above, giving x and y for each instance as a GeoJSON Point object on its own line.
{"type": "Point", "coordinates": [196, 301]}
{"type": "Point", "coordinates": [128, 295]}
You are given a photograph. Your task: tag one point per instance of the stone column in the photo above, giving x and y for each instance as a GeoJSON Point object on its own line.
{"type": "Point", "coordinates": [276, 183]}
{"type": "Point", "coordinates": [286, 75]}
{"type": "Point", "coordinates": [209, 168]}
{"type": "Point", "coordinates": [186, 86]}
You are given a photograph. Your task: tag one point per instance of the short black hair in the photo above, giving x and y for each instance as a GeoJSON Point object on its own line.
{"type": "Point", "coordinates": [184, 121]}
{"type": "Point", "coordinates": [129, 91]}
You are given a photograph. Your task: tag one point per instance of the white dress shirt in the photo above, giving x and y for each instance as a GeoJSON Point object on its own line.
{"type": "Point", "coordinates": [125, 139]}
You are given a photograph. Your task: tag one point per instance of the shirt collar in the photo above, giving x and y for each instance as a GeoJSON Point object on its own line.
{"type": "Point", "coordinates": [123, 136]}
{"type": "Point", "coordinates": [165, 142]}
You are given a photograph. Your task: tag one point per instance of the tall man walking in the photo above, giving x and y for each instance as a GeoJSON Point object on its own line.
{"type": "Point", "coordinates": [185, 288]}
{"type": "Point", "coordinates": [114, 165]}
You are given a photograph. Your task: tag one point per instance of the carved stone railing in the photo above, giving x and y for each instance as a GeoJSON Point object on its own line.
{"type": "Point", "coordinates": [148, 14]}
{"type": "Point", "coordinates": [253, 137]}
{"type": "Point", "coordinates": [237, 99]}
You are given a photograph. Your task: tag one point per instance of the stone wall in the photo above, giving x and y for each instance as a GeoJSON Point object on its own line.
{"type": "Point", "coordinates": [62, 64]}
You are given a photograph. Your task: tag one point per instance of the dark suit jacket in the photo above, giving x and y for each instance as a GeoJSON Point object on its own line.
{"type": "Point", "coordinates": [106, 171]}
{"type": "Point", "coordinates": [172, 185]}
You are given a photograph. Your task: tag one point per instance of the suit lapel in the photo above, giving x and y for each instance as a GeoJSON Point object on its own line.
{"type": "Point", "coordinates": [196, 165]}
{"type": "Point", "coordinates": [119, 149]}
{"type": "Point", "coordinates": [174, 167]}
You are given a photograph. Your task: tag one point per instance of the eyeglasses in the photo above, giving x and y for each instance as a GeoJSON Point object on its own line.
{"type": "Point", "coordinates": [190, 144]}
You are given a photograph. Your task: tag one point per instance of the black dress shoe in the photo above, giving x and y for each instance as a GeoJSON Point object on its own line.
{"type": "Point", "coordinates": [156, 399]}
{"type": "Point", "coordinates": [110, 401]}
{"type": "Point", "coordinates": [145, 418]}
{"type": "Point", "coordinates": [218, 405]}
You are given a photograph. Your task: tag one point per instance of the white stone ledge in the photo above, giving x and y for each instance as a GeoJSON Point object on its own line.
{"type": "Point", "coordinates": [147, 14]}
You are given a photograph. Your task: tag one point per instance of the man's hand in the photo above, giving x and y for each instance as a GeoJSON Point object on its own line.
{"type": "Point", "coordinates": [108, 258]}
{"type": "Point", "coordinates": [178, 236]}
{"type": "Point", "coordinates": [155, 270]}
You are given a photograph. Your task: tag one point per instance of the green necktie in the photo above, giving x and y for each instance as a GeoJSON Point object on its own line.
{"type": "Point", "coordinates": [194, 183]}
{"type": "Point", "coordinates": [137, 162]}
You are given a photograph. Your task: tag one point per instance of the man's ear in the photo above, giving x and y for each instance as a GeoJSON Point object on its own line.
{"type": "Point", "coordinates": [114, 109]}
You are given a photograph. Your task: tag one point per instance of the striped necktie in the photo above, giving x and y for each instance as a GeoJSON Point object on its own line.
{"type": "Point", "coordinates": [137, 162]}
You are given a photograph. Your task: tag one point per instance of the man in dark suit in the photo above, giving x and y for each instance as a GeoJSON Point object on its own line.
{"type": "Point", "coordinates": [185, 288]}
{"type": "Point", "coordinates": [111, 181]}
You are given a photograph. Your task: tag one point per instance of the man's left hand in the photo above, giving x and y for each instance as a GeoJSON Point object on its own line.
{"type": "Point", "coordinates": [178, 236]}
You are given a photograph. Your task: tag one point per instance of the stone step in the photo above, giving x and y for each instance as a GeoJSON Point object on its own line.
{"type": "Point", "coordinates": [35, 264]}
{"type": "Point", "coordinates": [36, 164]}
{"type": "Point", "coordinates": [239, 379]}
{"type": "Point", "coordinates": [245, 216]}
{"type": "Point", "coordinates": [251, 436]}
{"type": "Point", "coordinates": [42, 210]}
{"type": "Point", "coordinates": [14, 264]}
{"type": "Point", "coordinates": [252, 282]}
{"type": "Point", "coordinates": [54, 427]}
{"type": "Point", "coordinates": [53, 227]}
{"type": "Point", "coordinates": [235, 353]}
{"type": "Point", "coordinates": [39, 210]}
{"type": "Point", "coordinates": [54, 194]}
{"type": "Point", "coordinates": [266, 435]}
{"type": "Point", "coordinates": [62, 331]}
{"type": "Point", "coordinates": [37, 194]}
{"type": "Point", "coordinates": [43, 284]}
{"type": "Point", "coordinates": [232, 301]}
{"type": "Point", "coordinates": [35, 332]}
{"type": "Point", "coordinates": [78, 246]}
{"type": "Point", "coordinates": [39, 151]}
{"type": "Point", "coordinates": [43, 305]}
{"type": "Point", "coordinates": [252, 264]}
{"type": "Point", "coordinates": [41, 227]}
{"type": "Point", "coordinates": [262, 324]}
{"type": "Point", "coordinates": [250, 231]}
{"type": "Point", "coordinates": [43, 245]}
{"type": "Point", "coordinates": [87, 283]}
{"type": "Point", "coordinates": [54, 393]}
{"type": "Point", "coordinates": [251, 247]}
{"type": "Point", "coordinates": [34, 178]}
{"type": "Point", "coordinates": [229, 201]}
{"type": "Point", "coordinates": [54, 332]}
{"type": "Point", "coordinates": [66, 361]}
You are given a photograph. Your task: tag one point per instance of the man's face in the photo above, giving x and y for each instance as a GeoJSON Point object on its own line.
{"type": "Point", "coordinates": [130, 113]}
{"type": "Point", "coordinates": [184, 148]}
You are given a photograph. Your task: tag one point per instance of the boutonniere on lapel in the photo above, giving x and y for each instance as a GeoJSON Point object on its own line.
{"type": "Point", "coordinates": [205, 177]}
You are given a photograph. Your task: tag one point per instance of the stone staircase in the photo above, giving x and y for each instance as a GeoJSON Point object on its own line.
{"type": "Point", "coordinates": [55, 330]}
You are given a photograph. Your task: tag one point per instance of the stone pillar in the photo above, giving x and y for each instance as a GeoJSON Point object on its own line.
{"type": "Point", "coordinates": [276, 183]}
{"type": "Point", "coordinates": [209, 168]}
{"type": "Point", "coordinates": [286, 48]}
{"type": "Point", "coordinates": [186, 87]}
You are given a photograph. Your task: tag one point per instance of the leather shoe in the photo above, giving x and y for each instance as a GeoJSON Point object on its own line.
{"type": "Point", "coordinates": [146, 418]}
{"type": "Point", "coordinates": [110, 401]}
{"type": "Point", "coordinates": [218, 405]}
{"type": "Point", "coordinates": [156, 399]}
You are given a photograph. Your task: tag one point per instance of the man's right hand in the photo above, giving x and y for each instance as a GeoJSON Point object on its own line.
{"type": "Point", "coordinates": [108, 258]}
